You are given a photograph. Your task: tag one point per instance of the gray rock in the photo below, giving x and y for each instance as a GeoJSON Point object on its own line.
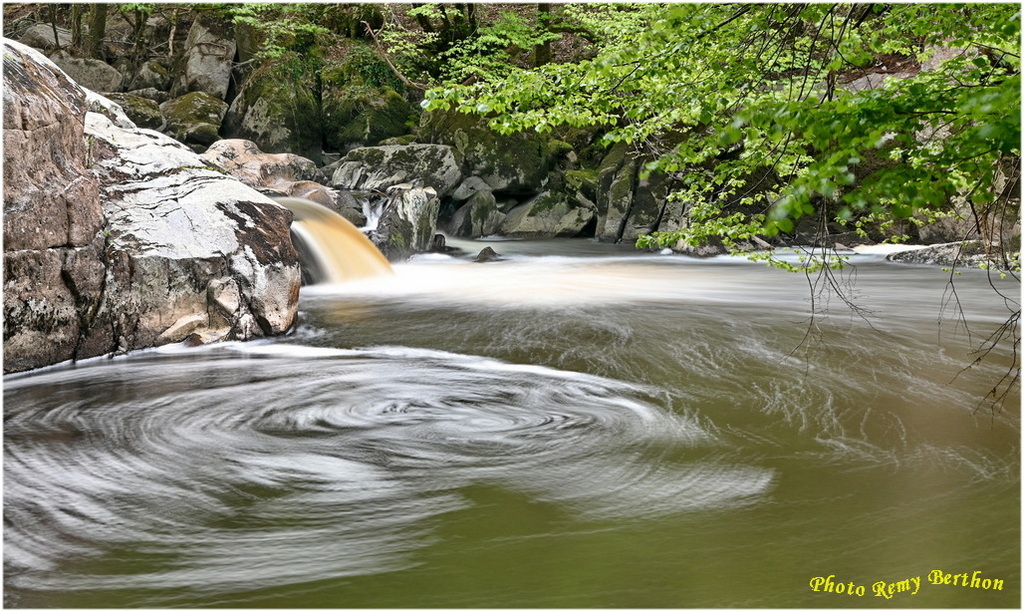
{"type": "Point", "coordinates": [204, 253]}
{"type": "Point", "coordinates": [965, 254]}
{"type": "Point", "coordinates": [487, 254]}
{"type": "Point", "coordinates": [277, 113]}
{"type": "Point", "coordinates": [409, 223]}
{"type": "Point", "coordinates": [108, 108]}
{"type": "Point", "coordinates": [378, 168]}
{"type": "Point", "coordinates": [92, 74]}
{"type": "Point", "coordinates": [173, 251]}
{"type": "Point", "coordinates": [151, 93]}
{"type": "Point", "coordinates": [152, 75]}
{"type": "Point", "coordinates": [207, 62]}
{"type": "Point", "coordinates": [515, 164]}
{"type": "Point", "coordinates": [548, 215]}
{"type": "Point", "coordinates": [468, 187]}
{"type": "Point", "coordinates": [40, 36]}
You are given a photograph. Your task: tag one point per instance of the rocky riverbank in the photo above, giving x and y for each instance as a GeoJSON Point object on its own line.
{"type": "Point", "coordinates": [119, 238]}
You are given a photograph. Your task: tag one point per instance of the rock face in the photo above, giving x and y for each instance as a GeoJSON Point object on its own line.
{"type": "Point", "coordinates": [278, 119]}
{"type": "Point", "coordinates": [207, 62]}
{"type": "Point", "coordinates": [357, 116]}
{"type": "Point", "coordinates": [409, 222]}
{"type": "Point", "coordinates": [517, 163]}
{"type": "Point", "coordinates": [378, 168]}
{"type": "Point", "coordinates": [280, 174]}
{"type": "Point", "coordinates": [173, 250]}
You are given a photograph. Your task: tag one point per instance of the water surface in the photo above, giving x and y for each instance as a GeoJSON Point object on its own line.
{"type": "Point", "coordinates": [578, 425]}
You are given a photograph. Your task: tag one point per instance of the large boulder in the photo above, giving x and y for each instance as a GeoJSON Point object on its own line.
{"type": "Point", "coordinates": [194, 118]}
{"type": "Point", "coordinates": [616, 180]}
{"type": "Point", "coordinates": [41, 36]}
{"type": "Point", "coordinates": [143, 112]}
{"type": "Point", "coordinates": [117, 238]}
{"type": "Point", "coordinates": [515, 164]}
{"type": "Point", "coordinates": [154, 75]}
{"type": "Point", "coordinates": [409, 222]}
{"type": "Point", "coordinates": [378, 168]}
{"type": "Point", "coordinates": [277, 113]}
{"type": "Point", "coordinates": [962, 254]}
{"type": "Point", "coordinates": [357, 116]}
{"type": "Point", "coordinates": [481, 215]}
{"type": "Point", "coordinates": [548, 215]}
{"type": "Point", "coordinates": [92, 74]}
{"type": "Point", "coordinates": [207, 62]}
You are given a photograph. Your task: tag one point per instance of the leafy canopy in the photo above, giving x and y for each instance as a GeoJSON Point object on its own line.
{"type": "Point", "coordinates": [719, 93]}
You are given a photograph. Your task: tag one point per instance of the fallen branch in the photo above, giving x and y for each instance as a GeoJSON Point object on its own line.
{"type": "Point", "coordinates": [387, 59]}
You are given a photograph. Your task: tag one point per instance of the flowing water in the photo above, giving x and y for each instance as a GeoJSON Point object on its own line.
{"type": "Point", "coordinates": [577, 425]}
{"type": "Point", "coordinates": [337, 250]}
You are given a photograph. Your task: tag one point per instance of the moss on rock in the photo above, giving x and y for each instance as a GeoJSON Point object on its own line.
{"type": "Point", "coordinates": [278, 113]}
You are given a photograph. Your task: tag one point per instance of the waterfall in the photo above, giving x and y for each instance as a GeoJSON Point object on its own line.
{"type": "Point", "coordinates": [334, 248]}
{"type": "Point", "coordinates": [373, 205]}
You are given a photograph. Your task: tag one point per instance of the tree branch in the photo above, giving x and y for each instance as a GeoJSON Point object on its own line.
{"type": "Point", "coordinates": [387, 59]}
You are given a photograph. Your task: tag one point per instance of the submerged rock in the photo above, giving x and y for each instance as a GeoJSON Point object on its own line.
{"type": "Point", "coordinates": [487, 254]}
{"type": "Point", "coordinates": [118, 239]}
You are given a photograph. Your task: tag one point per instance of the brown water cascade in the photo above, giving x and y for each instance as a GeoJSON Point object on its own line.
{"type": "Point", "coordinates": [341, 252]}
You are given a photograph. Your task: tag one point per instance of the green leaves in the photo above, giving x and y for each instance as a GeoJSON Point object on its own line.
{"type": "Point", "coordinates": [724, 92]}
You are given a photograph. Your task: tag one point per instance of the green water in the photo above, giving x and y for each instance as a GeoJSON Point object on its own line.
{"type": "Point", "coordinates": [576, 426]}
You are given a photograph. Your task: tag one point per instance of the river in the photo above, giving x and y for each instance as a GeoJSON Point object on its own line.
{"type": "Point", "coordinates": [578, 425]}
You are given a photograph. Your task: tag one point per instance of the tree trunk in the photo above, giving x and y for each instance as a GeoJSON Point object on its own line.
{"type": "Point", "coordinates": [53, 24]}
{"type": "Point", "coordinates": [542, 52]}
{"type": "Point", "coordinates": [97, 29]}
{"type": "Point", "coordinates": [76, 26]}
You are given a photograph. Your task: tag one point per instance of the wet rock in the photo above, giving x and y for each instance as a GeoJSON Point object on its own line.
{"type": "Point", "coordinates": [711, 248]}
{"type": "Point", "coordinates": [409, 222]}
{"type": "Point", "coordinates": [487, 254]}
{"type": "Point", "coordinates": [965, 254]}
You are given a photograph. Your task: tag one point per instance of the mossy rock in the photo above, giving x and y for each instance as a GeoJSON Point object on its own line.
{"type": "Point", "coordinates": [185, 113]}
{"type": "Point", "coordinates": [278, 113]}
{"type": "Point", "coordinates": [516, 163]}
{"type": "Point", "coordinates": [356, 116]}
{"type": "Point", "coordinates": [143, 112]}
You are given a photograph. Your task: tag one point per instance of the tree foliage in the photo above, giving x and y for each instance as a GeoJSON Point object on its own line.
{"type": "Point", "coordinates": [720, 93]}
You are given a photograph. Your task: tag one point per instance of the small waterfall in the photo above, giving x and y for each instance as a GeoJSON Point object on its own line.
{"type": "Point", "coordinates": [373, 204]}
{"type": "Point", "coordinates": [334, 248]}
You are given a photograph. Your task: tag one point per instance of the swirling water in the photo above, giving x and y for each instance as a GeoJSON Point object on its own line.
{"type": "Point", "coordinates": [576, 426]}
